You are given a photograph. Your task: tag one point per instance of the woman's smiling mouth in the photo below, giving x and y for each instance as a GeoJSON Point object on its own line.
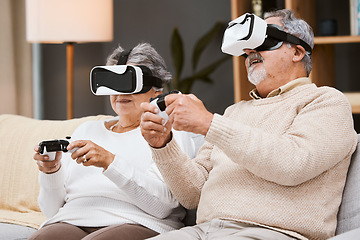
{"type": "Point", "coordinates": [123, 101]}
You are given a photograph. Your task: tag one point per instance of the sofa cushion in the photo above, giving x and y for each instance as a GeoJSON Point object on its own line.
{"type": "Point", "coordinates": [19, 187]}
{"type": "Point", "coordinates": [349, 212]}
{"type": "Point", "coordinates": [15, 232]}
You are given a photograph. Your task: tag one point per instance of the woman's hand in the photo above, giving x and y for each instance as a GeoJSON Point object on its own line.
{"type": "Point", "coordinates": [91, 154]}
{"type": "Point", "coordinates": [44, 164]}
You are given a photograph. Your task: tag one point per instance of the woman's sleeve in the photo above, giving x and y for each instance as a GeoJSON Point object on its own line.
{"type": "Point", "coordinates": [52, 186]}
{"type": "Point", "coordinates": [52, 192]}
{"type": "Point", "coordinates": [145, 189]}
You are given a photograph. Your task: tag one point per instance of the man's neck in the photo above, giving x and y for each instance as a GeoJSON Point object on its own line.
{"type": "Point", "coordinates": [271, 83]}
{"type": "Point", "coordinates": [286, 87]}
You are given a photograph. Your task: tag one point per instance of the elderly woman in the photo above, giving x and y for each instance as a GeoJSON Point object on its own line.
{"type": "Point", "coordinates": [110, 188]}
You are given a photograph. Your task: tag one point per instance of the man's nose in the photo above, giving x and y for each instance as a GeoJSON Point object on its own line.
{"type": "Point", "coordinates": [249, 51]}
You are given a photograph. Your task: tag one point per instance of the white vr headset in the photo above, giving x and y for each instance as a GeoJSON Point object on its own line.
{"type": "Point", "coordinates": [122, 79]}
{"type": "Point", "coordinates": [251, 32]}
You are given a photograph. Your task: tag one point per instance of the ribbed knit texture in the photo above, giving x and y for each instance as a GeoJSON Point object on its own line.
{"type": "Point", "coordinates": [131, 190]}
{"type": "Point", "coordinates": [278, 162]}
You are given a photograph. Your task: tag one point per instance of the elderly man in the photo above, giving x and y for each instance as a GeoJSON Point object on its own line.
{"type": "Point", "coordinates": [273, 167]}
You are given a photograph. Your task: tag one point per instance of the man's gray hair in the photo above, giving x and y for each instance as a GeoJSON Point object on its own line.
{"type": "Point", "coordinates": [297, 27]}
{"type": "Point", "coordinates": [143, 54]}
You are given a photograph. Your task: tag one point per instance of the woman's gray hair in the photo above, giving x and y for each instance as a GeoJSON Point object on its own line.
{"type": "Point", "coordinates": [298, 28]}
{"type": "Point", "coordinates": [143, 54]}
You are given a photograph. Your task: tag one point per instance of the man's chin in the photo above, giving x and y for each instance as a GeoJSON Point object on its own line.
{"type": "Point", "coordinates": [256, 81]}
{"type": "Point", "coordinates": [257, 76]}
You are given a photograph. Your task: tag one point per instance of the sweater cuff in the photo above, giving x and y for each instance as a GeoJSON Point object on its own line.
{"type": "Point", "coordinates": [119, 169]}
{"type": "Point", "coordinates": [53, 180]}
{"type": "Point", "coordinates": [167, 154]}
{"type": "Point", "coordinates": [220, 131]}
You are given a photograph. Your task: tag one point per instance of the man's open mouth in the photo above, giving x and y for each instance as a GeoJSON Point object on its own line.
{"type": "Point", "coordinates": [254, 59]}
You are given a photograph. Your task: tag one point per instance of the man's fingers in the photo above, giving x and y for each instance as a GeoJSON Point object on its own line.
{"type": "Point", "coordinates": [147, 107]}
{"type": "Point", "coordinates": [169, 99]}
{"type": "Point", "coordinates": [150, 117]}
{"type": "Point", "coordinates": [153, 127]}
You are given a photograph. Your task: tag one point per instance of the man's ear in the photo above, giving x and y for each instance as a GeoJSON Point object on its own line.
{"type": "Point", "coordinates": [299, 53]}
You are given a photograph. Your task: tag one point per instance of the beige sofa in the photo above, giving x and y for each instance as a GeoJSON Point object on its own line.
{"type": "Point", "coordinates": [19, 183]}
{"type": "Point", "coordinates": [19, 172]}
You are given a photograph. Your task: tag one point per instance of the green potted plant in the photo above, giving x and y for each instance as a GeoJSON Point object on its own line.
{"type": "Point", "coordinates": [184, 84]}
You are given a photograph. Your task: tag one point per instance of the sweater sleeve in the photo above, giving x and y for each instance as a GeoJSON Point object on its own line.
{"type": "Point", "coordinates": [320, 136]}
{"type": "Point", "coordinates": [146, 190]}
{"type": "Point", "coordinates": [52, 192]}
{"type": "Point", "coordinates": [184, 176]}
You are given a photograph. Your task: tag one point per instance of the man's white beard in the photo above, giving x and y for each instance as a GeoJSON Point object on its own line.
{"type": "Point", "coordinates": [258, 75]}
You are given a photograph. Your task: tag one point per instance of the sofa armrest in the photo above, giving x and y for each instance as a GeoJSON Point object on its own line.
{"type": "Point", "coordinates": [349, 212]}
{"type": "Point", "coordinates": [18, 173]}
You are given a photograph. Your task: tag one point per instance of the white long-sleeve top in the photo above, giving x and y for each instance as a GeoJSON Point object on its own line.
{"type": "Point", "coordinates": [131, 190]}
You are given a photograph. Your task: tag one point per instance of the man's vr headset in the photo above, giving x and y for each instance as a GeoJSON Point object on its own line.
{"type": "Point", "coordinates": [122, 79]}
{"type": "Point", "coordinates": [251, 32]}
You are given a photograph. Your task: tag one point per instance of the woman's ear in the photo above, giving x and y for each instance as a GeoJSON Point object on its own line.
{"type": "Point", "coordinates": [299, 53]}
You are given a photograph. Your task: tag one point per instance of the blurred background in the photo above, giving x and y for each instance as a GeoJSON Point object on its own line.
{"type": "Point", "coordinates": [136, 21]}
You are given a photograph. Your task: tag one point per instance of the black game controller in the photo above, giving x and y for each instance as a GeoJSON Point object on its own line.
{"type": "Point", "coordinates": [50, 147]}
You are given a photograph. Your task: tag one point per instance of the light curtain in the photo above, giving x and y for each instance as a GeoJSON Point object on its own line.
{"type": "Point", "coordinates": [15, 60]}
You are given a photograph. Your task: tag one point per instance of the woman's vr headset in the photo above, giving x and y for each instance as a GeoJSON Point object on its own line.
{"type": "Point", "coordinates": [251, 32]}
{"type": "Point", "coordinates": [122, 78]}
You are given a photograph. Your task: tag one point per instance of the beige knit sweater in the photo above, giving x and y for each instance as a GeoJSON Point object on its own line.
{"type": "Point", "coordinates": [278, 162]}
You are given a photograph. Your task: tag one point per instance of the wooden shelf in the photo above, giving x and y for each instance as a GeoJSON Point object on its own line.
{"type": "Point", "coordinates": [354, 99]}
{"type": "Point", "coordinates": [337, 39]}
{"type": "Point", "coordinates": [323, 57]}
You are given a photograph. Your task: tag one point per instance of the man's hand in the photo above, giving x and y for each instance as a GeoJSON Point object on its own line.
{"type": "Point", "coordinates": [152, 126]}
{"type": "Point", "coordinates": [188, 113]}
